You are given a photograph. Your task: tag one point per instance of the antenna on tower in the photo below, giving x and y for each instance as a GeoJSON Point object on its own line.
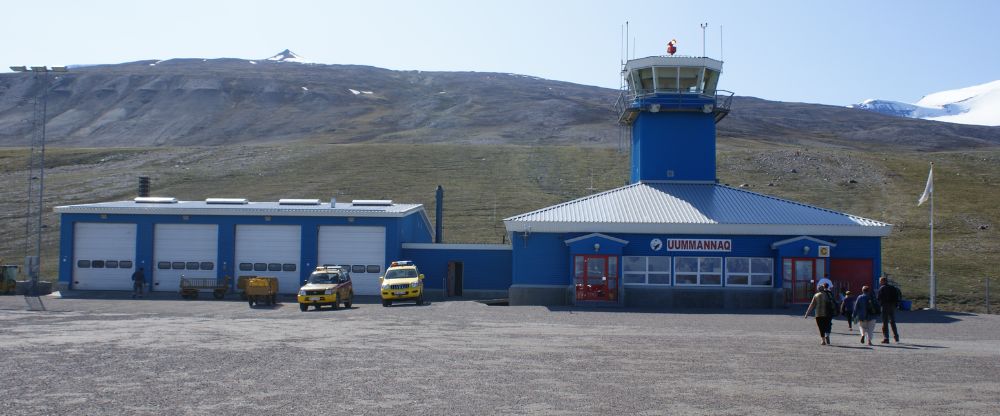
{"type": "Point", "coordinates": [626, 42]}
{"type": "Point", "coordinates": [703, 26]}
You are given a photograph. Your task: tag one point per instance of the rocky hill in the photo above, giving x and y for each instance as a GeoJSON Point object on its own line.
{"type": "Point", "coordinates": [181, 102]}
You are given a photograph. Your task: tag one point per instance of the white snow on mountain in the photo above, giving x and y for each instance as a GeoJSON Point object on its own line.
{"type": "Point", "coordinates": [288, 56]}
{"type": "Point", "coordinates": [978, 104]}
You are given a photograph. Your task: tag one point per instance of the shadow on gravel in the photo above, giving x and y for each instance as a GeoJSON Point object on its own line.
{"type": "Point", "coordinates": [410, 304]}
{"type": "Point", "coordinates": [852, 347]}
{"type": "Point", "coordinates": [926, 346]}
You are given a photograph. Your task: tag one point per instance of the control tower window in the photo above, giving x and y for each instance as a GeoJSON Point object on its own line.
{"type": "Point", "coordinates": [689, 77]}
{"type": "Point", "coordinates": [666, 79]}
{"type": "Point", "coordinates": [711, 81]}
{"type": "Point", "coordinates": [645, 80]}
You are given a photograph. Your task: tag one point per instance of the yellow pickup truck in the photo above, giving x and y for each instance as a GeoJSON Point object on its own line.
{"type": "Point", "coordinates": [402, 282]}
{"type": "Point", "coordinates": [327, 285]}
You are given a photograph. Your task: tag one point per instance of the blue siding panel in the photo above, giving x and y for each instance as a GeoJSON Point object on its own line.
{"type": "Point", "coordinates": [683, 142]}
{"type": "Point", "coordinates": [540, 259]}
{"type": "Point", "coordinates": [483, 269]}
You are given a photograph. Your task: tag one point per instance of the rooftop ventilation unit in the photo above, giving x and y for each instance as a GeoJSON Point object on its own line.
{"type": "Point", "coordinates": [155, 200]}
{"type": "Point", "coordinates": [227, 201]}
{"type": "Point", "coordinates": [298, 202]}
{"type": "Point", "coordinates": [372, 202]}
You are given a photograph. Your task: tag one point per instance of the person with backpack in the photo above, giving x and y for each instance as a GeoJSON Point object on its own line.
{"type": "Point", "coordinates": [865, 312]}
{"type": "Point", "coordinates": [889, 297]}
{"type": "Point", "coordinates": [822, 302]}
{"type": "Point", "coordinates": [847, 309]}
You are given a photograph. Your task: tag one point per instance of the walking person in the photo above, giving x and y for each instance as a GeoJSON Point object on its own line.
{"type": "Point", "coordinates": [865, 312]}
{"type": "Point", "coordinates": [888, 297]}
{"type": "Point", "coordinates": [847, 309]}
{"type": "Point", "coordinates": [138, 280]}
{"type": "Point", "coordinates": [822, 303]}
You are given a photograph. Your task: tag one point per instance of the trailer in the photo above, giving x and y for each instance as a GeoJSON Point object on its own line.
{"type": "Point", "coordinates": [190, 287]}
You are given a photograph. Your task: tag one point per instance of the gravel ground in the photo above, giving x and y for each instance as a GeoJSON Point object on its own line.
{"type": "Point", "coordinates": [101, 355]}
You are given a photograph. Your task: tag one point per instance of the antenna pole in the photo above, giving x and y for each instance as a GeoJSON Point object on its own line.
{"type": "Point", "coordinates": [722, 55]}
{"type": "Point", "coordinates": [703, 26]}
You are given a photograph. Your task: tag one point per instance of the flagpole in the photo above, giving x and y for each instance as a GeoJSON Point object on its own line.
{"type": "Point", "coordinates": [933, 303]}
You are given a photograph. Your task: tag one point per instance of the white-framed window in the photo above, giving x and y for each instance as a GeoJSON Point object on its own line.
{"type": "Point", "coordinates": [642, 270]}
{"type": "Point", "coordinates": [698, 271]}
{"type": "Point", "coordinates": [749, 271]}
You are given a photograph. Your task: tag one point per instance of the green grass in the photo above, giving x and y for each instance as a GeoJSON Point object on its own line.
{"type": "Point", "coordinates": [484, 184]}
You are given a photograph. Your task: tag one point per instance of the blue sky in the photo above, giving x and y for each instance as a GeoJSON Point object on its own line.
{"type": "Point", "coordinates": [830, 52]}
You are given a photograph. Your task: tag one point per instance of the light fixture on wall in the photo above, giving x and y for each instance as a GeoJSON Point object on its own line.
{"type": "Point", "coordinates": [597, 247]}
{"type": "Point", "coordinates": [805, 250]}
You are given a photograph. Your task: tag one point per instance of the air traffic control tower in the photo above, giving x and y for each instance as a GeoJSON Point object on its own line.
{"type": "Point", "coordinates": [672, 105]}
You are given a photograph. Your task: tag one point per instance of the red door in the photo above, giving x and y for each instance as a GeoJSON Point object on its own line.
{"type": "Point", "coordinates": [799, 278]}
{"type": "Point", "coordinates": [851, 274]}
{"type": "Point", "coordinates": [596, 277]}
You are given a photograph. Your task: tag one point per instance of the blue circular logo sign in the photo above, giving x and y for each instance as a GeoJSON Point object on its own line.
{"type": "Point", "coordinates": [656, 244]}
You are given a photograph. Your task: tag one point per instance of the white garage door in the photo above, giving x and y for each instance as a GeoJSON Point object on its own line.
{"type": "Point", "coordinates": [188, 250]}
{"type": "Point", "coordinates": [270, 250]}
{"type": "Point", "coordinates": [103, 256]}
{"type": "Point", "coordinates": [363, 248]}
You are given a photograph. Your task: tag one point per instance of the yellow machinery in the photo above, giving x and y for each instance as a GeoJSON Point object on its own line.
{"type": "Point", "coordinates": [262, 290]}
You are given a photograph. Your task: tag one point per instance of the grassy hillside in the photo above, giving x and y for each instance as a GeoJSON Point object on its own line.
{"type": "Point", "coordinates": [484, 184]}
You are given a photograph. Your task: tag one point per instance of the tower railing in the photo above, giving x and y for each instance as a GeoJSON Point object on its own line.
{"type": "Point", "coordinates": [676, 99]}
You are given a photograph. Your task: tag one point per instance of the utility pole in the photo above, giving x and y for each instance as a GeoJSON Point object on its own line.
{"type": "Point", "coordinates": [36, 176]}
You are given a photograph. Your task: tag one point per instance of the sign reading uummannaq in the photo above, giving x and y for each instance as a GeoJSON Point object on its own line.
{"type": "Point", "coordinates": [688, 244]}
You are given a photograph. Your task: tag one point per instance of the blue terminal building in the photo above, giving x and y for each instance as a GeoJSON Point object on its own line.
{"type": "Point", "coordinates": [674, 236]}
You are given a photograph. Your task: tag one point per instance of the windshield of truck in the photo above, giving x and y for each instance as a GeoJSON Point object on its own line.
{"type": "Point", "coordinates": [400, 273]}
{"type": "Point", "coordinates": [324, 278]}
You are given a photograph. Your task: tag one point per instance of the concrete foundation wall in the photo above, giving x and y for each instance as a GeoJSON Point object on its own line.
{"type": "Point", "coordinates": [667, 297]}
{"type": "Point", "coordinates": [438, 295]}
{"type": "Point", "coordinates": [540, 295]}
{"type": "Point", "coordinates": [684, 298]}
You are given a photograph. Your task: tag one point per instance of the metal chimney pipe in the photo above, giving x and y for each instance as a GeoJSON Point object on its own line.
{"type": "Point", "coordinates": [438, 214]}
{"type": "Point", "coordinates": [143, 186]}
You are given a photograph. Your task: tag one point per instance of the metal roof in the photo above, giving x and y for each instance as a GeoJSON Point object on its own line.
{"type": "Point", "coordinates": [250, 208]}
{"type": "Point", "coordinates": [692, 208]}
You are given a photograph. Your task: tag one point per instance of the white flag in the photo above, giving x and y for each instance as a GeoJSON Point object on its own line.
{"type": "Point", "coordinates": [929, 189]}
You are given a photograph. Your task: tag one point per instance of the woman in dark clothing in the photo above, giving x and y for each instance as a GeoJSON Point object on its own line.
{"type": "Point", "coordinates": [847, 309]}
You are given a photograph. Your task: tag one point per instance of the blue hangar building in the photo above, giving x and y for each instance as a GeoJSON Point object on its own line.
{"type": "Point", "coordinates": [673, 237]}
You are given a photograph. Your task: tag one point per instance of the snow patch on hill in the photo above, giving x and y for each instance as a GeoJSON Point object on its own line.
{"type": "Point", "coordinates": [977, 105]}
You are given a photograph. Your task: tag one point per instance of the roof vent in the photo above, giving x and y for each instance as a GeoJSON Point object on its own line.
{"type": "Point", "coordinates": [372, 202]}
{"type": "Point", "coordinates": [298, 202]}
{"type": "Point", "coordinates": [227, 201]}
{"type": "Point", "coordinates": [155, 200]}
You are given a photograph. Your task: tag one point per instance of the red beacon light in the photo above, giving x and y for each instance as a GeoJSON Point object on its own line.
{"type": "Point", "coordinates": [672, 47]}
